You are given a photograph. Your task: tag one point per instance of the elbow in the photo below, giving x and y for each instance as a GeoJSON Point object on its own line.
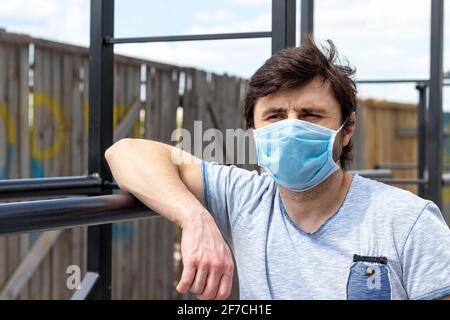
{"type": "Point", "coordinates": [117, 148]}
{"type": "Point", "coordinates": [114, 156]}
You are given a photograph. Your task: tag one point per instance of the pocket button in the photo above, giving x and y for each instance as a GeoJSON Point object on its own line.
{"type": "Point", "coordinates": [370, 271]}
{"type": "Point", "coordinates": [368, 281]}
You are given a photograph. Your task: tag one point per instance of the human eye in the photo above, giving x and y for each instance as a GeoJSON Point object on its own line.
{"type": "Point", "coordinates": [274, 117]}
{"type": "Point", "coordinates": [312, 116]}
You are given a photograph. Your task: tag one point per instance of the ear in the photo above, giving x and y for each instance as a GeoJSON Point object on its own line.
{"type": "Point", "coordinates": [349, 130]}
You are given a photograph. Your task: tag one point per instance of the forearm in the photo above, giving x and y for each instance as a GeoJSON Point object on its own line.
{"type": "Point", "coordinates": [169, 181]}
{"type": "Point", "coordinates": [147, 170]}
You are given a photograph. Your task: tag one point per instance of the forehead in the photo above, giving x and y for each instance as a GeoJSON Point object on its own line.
{"type": "Point", "coordinates": [317, 94]}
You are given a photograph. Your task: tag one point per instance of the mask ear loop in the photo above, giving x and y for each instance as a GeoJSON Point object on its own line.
{"type": "Point", "coordinates": [343, 125]}
{"type": "Point", "coordinates": [334, 140]}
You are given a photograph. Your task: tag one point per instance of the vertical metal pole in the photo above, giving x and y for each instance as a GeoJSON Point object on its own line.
{"type": "Point", "coordinates": [306, 19]}
{"type": "Point", "coordinates": [435, 100]}
{"type": "Point", "coordinates": [101, 97]}
{"type": "Point", "coordinates": [422, 137]}
{"type": "Point", "coordinates": [283, 24]}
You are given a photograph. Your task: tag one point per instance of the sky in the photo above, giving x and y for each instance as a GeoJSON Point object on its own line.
{"type": "Point", "coordinates": [381, 38]}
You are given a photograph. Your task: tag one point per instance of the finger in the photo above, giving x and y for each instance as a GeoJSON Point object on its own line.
{"type": "Point", "coordinates": [212, 285]}
{"type": "Point", "coordinates": [186, 278]}
{"type": "Point", "coordinates": [225, 285]}
{"type": "Point", "coordinates": [200, 280]}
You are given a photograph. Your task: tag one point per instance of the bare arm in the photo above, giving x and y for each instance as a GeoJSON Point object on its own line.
{"type": "Point", "coordinates": [169, 181]}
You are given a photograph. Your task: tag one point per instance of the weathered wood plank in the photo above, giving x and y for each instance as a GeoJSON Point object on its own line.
{"type": "Point", "coordinates": [28, 266]}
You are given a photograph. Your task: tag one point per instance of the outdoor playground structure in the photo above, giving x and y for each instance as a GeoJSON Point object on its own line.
{"type": "Point", "coordinates": [94, 107]}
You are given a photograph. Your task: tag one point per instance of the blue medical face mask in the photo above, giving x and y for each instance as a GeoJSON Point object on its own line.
{"type": "Point", "coordinates": [297, 154]}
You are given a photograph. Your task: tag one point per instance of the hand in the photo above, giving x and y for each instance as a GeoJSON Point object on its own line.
{"type": "Point", "coordinates": [207, 261]}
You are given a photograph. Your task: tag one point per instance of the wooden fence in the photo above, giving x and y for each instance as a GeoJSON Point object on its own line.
{"type": "Point", "coordinates": [44, 133]}
{"type": "Point", "coordinates": [389, 135]}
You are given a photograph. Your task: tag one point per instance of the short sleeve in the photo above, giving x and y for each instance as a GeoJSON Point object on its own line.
{"type": "Point", "coordinates": [426, 256]}
{"type": "Point", "coordinates": [226, 189]}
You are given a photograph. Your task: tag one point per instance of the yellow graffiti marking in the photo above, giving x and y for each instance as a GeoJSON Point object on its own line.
{"type": "Point", "coordinates": [61, 129]}
{"type": "Point", "coordinates": [119, 112]}
{"type": "Point", "coordinates": [49, 103]}
{"type": "Point", "coordinates": [8, 123]}
{"type": "Point", "coordinates": [86, 115]}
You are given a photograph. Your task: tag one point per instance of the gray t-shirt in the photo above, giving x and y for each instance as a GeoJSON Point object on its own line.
{"type": "Point", "coordinates": [382, 243]}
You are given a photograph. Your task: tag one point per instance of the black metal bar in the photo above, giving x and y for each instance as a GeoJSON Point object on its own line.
{"type": "Point", "coordinates": [403, 181]}
{"type": "Point", "coordinates": [403, 166]}
{"type": "Point", "coordinates": [434, 159]}
{"type": "Point", "coordinates": [396, 166]}
{"type": "Point", "coordinates": [110, 185]}
{"type": "Point", "coordinates": [373, 174]}
{"type": "Point", "coordinates": [446, 179]}
{"type": "Point", "coordinates": [101, 95]}
{"type": "Point", "coordinates": [395, 81]}
{"type": "Point", "coordinates": [422, 138]}
{"type": "Point", "coordinates": [283, 24]}
{"type": "Point", "coordinates": [27, 216]}
{"type": "Point", "coordinates": [306, 19]}
{"type": "Point", "coordinates": [189, 37]}
{"type": "Point", "coordinates": [88, 283]}
{"type": "Point", "coordinates": [389, 81]}
{"type": "Point", "coordinates": [31, 188]}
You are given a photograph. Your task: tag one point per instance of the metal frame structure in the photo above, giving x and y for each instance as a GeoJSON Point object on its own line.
{"type": "Point", "coordinates": [434, 133]}
{"type": "Point", "coordinates": [306, 19]}
{"type": "Point", "coordinates": [98, 208]}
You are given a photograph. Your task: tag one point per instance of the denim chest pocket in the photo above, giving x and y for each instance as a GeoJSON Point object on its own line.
{"type": "Point", "coordinates": [368, 279]}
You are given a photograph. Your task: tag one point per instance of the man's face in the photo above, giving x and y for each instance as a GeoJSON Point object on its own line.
{"type": "Point", "coordinates": [313, 102]}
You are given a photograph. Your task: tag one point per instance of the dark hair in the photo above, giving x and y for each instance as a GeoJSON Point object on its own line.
{"type": "Point", "coordinates": [296, 67]}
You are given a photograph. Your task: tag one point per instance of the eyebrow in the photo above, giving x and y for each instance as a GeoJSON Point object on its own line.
{"type": "Point", "coordinates": [273, 109]}
{"type": "Point", "coordinates": [306, 110]}
{"type": "Point", "coordinates": [312, 109]}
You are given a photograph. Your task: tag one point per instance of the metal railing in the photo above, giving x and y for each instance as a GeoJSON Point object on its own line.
{"type": "Point", "coordinates": [99, 208]}
{"type": "Point", "coordinates": [41, 215]}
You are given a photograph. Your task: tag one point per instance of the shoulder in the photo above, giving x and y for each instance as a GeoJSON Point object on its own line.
{"type": "Point", "coordinates": [387, 200]}
{"type": "Point", "coordinates": [239, 185]}
{"type": "Point", "coordinates": [390, 210]}
{"type": "Point", "coordinates": [237, 176]}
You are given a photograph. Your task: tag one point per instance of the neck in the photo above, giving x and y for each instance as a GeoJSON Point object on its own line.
{"type": "Point", "coordinates": [310, 209]}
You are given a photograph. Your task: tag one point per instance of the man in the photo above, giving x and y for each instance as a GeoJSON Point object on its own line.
{"type": "Point", "coordinates": [306, 228]}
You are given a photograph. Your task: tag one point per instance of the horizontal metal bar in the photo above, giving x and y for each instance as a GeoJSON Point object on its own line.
{"type": "Point", "coordinates": [27, 216]}
{"type": "Point", "coordinates": [193, 37]}
{"type": "Point", "coordinates": [373, 174]}
{"type": "Point", "coordinates": [387, 81]}
{"type": "Point", "coordinates": [396, 166]}
{"type": "Point", "coordinates": [394, 81]}
{"type": "Point", "coordinates": [402, 166]}
{"type": "Point", "coordinates": [111, 185]}
{"type": "Point", "coordinates": [86, 286]}
{"type": "Point", "coordinates": [30, 188]}
{"type": "Point", "coordinates": [402, 181]}
{"type": "Point", "coordinates": [446, 179]}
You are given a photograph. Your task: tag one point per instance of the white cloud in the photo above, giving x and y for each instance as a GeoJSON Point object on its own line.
{"type": "Point", "coordinates": [219, 15]}
{"type": "Point", "coordinates": [64, 21]}
{"type": "Point", "coordinates": [249, 2]}
{"type": "Point", "coordinates": [260, 22]}
{"type": "Point", "coordinates": [236, 57]}
{"type": "Point", "coordinates": [29, 9]}
{"type": "Point", "coordinates": [382, 38]}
